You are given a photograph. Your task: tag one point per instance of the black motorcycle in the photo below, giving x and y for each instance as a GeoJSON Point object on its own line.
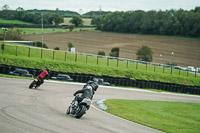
{"type": "Point", "coordinates": [78, 109]}
{"type": "Point", "coordinates": [36, 82]}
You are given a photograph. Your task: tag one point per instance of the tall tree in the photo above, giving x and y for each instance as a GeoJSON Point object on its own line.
{"type": "Point", "coordinates": [76, 20]}
{"type": "Point", "coordinates": [5, 7]}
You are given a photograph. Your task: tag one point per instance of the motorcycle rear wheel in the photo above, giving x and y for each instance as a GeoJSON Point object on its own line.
{"type": "Point", "coordinates": [81, 112]}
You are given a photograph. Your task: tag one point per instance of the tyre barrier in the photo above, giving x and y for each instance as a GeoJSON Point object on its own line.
{"type": "Point", "coordinates": [117, 81]}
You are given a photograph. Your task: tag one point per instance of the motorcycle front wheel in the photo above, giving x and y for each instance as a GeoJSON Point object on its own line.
{"type": "Point", "coordinates": [68, 111]}
{"type": "Point", "coordinates": [81, 112]}
{"type": "Point", "coordinates": [31, 85]}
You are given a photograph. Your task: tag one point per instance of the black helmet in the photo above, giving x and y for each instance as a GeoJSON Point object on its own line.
{"type": "Point", "coordinates": [48, 70]}
{"type": "Point", "coordinates": [93, 84]}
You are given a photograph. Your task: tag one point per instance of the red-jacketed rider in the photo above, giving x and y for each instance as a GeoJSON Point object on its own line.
{"type": "Point", "coordinates": [43, 74]}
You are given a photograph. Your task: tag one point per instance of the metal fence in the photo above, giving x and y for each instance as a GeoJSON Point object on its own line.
{"type": "Point", "coordinates": [50, 54]}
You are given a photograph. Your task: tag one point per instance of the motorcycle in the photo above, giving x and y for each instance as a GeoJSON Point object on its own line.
{"type": "Point", "coordinates": [78, 109]}
{"type": "Point", "coordinates": [35, 83]}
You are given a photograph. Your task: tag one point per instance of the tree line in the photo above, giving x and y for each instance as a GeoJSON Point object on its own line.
{"type": "Point", "coordinates": [31, 17]}
{"type": "Point", "coordinates": [170, 22]}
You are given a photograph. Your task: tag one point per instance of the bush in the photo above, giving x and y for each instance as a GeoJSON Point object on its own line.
{"type": "Point", "coordinates": [39, 44]}
{"type": "Point", "coordinates": [114, 52]}
{"type": "Point", "coordinates": [71, 27]}
{"type": "Point", "coordinates": [144, 53]}
{"type": "Point", "coordinates": [101, 53]}
{"type": "Point", "coordinates": [70, 45]}
{"type": "Point", "coordinates": [14, 35]}
{"type": "Point", "coordinates": [56, 48]}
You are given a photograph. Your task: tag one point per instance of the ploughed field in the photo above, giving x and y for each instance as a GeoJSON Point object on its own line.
{"type": "Point", "coordinates": [186, 50]}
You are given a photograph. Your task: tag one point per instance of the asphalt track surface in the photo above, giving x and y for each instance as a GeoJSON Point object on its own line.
{"type": "Point", "coordinates": [42, 110]}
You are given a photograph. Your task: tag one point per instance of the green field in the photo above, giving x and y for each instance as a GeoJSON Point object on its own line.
{"type": "Point", "coordinates": [46, 30]}
{"type": "Point", "coordinates": [14, 22]}
{"type": "Point", "coordinates": [170, 117]}
{"type": "Point", "coordinates": [86, 21]}
{"type": "Point", "coordinates": [69, 62]}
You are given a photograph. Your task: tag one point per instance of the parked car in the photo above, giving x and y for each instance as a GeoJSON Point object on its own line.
{"type": "Point", "coordinates": [191, 68]}
{"type": "Point", "coordinates": [62, 77]}
{"type": "Point", "coordinates": [21, 72]}
{"type": "Point", "coordinates": [100, 81]}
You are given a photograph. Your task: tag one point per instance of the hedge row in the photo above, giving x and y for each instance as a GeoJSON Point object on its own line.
{"type": "Point", "coordinates": [117, 81]}
{"type": "Point", "coordinates": [7, 25]}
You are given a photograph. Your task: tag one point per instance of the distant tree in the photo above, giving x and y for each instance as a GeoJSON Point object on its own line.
{"type": "Point", "coordinates": [56, 19]}
{"type": "Point", "coordinates": [56, 48]}
{"type": "Point", "coordinates": [5, 7]}
{"type": "Point", "coordinates": [76, 20]}
{"type": "Point", "coordinates": [101, 53]}
{"type": "Point", "coordinates": [19, 9]}
{"type": "Point", "coordinates": [70, 45]}
{"type": "Point", "coordinates": [144, 53]}
{"type": "Point", "coordinates": [114, 52]}
{"type": "Point", "coordinates": [97, 22]}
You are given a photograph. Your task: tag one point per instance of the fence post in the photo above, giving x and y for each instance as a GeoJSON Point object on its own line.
{"type": "Point", "coordinates": [171, 69]}
{"type": "Point", "coordinates": [65, 55]}
{"type": "Point", "coordinates": [107, 61]}
{"type": "Point", "coordinates": [126, 63]}
{"type": "Point", "coordinates": [146, 66]}
{"type": "Point", "coordinates": [163, 69]}
{"type": "Point", "coordinates": [76, 57]}
{"type": "Point", "coordinates": [53, 54]}
{"type": "Point", "coordinates": [137, 65]}
{"type": "Point", "coordinates": [41, 53]}
{"type": "Point", "coordinates": [16, 50]}
{"type": "Point", "coordinates": [29, 52]}
{"type": "Point", "coordinates": [2, 48]}
{"type": "Point", "coordinates": [187, 73]}
{"type": "Point", "coordinates": [97, 60]}
{"type": "Point", "coordinates": [195, 73]}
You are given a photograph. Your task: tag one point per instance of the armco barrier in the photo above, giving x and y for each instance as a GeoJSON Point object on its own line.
{"type": "Point", "coordinates": [118, 81]}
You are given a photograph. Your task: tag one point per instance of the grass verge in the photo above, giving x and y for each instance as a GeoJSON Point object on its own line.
{"type": "Point", "coordinates": [171, 117]}
{"type": "Point", "coordinates": [96, 70]}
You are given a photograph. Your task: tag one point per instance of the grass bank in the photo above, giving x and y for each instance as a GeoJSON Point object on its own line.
{"type": "Point", "coordinates": [171, 117]}
{"type": "Point", "coordinates": [78, 67]}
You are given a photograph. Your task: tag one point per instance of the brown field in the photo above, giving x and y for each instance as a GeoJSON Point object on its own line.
{"type": "Point", "coordinates": [186, 50]}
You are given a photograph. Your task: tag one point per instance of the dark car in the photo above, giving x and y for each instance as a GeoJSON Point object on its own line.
{"type": "Point", "coordinates": [21, 72]}
{"type": "Point", "coordinates": [63, 77]}
{"type": "Point", "coordinates": [100, 81]}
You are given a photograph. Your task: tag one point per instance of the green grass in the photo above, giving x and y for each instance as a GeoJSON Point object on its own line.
{"type": "Point", "coordinates": [170, 117]}
{"type": "Point", "coordinates": [14, 22]}
{"type": "Point", "coordinates": [68, 64]}
{"type": "Point", "coordinates": [48, 30]}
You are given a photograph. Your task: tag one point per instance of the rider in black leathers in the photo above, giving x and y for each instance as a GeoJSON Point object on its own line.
{"type": "Point", "coordinates": [87, 91]}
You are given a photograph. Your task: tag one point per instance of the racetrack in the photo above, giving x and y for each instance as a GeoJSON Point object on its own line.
{"type": "Point", "coordinates": [43, 110]}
